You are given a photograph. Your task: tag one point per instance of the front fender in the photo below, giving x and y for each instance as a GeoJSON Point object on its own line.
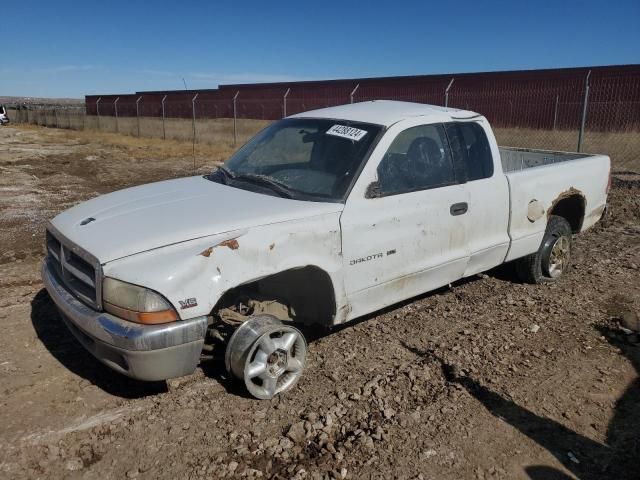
{"type": "Point", "coordinates": [205, 268]}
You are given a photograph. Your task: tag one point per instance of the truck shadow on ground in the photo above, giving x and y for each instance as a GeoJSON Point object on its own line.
{"type": "Point", "coordinates": [585, 458]}
{"type": "Point", "coordinates": [59, 341]}
{"type": "Point", "coordinates": [214, 368]}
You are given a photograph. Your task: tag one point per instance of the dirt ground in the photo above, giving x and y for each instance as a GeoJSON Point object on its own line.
{"type": "Point", "coordinates": [487, 379]}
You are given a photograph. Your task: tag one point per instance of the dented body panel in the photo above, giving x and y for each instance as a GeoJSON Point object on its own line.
{"type": "Point", "coordinates": [208, 267]}
{"type": "Point", "coordinates": [192, 240]}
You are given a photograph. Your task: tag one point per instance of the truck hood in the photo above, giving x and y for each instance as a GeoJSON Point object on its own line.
{"type": "Point", "coordinates": [155, 215]}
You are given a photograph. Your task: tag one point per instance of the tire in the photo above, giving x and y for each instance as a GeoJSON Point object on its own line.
{"type": "Point", "coordinates": [553, 257]}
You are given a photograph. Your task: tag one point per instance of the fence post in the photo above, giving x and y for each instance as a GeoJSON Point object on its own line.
{"type": "Point", "coordinates": [353, 92]}
{"type": "Point", "coordinates": [555, 113]}
{"type": "Point", "coordinates": [115, 109]}
{"type": "Point", "coordinates": [98, 111]}
{"type": "Point", "coordinates": [284, 103]}
{"type": "Point", "coordinates": [193, 123]}
{"type": "Point", "coordinates": [510, 113]}
{"type": "Point", "coordinates": [55, 115]}
{"type": "Point", "coordinates": [138, 113]}
{"type": "Point", "coordinates": [235, 117]}
{"type": "Point", "coordinates": [584, 111]}
{"type": "Point", "coordinates": [446, 93]}
{"type": "Point", "coordinates": [164, 133]}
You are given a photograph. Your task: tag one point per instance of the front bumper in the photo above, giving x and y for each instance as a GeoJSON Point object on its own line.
{"type": "Point", "coordinates": [144, 352]}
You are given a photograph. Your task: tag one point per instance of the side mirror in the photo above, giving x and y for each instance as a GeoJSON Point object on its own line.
{"type": "Point", "coordinates": [373, 190]}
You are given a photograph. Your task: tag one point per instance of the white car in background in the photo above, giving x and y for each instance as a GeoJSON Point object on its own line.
{"type": "Point", "coordinates": [4, 117]}
{"type": "Point", "coordinates": [321, 218]}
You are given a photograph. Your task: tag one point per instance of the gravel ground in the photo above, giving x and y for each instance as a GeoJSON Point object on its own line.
{"type": "Point", "coordinates": [487, 379]}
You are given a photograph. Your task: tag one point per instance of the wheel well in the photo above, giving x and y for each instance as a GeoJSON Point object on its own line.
{"type": "Point", "coordinates": [308, 291]}
{"type": "Point", "coordinates": [571, 208]}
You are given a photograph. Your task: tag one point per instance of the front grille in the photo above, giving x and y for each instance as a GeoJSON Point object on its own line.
{"type": "Point", "coordinates": [79, 271]}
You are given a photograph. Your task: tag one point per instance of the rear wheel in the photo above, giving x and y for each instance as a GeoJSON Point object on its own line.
{"type": "Point", "coordinates": [552, 258]}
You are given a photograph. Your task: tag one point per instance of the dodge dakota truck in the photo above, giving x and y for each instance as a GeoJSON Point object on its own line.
{"type": "Point", "coordinates": [321, 218]}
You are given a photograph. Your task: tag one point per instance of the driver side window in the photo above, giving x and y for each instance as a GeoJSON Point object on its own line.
{"type": "Point", "coordinates": [418, 159]}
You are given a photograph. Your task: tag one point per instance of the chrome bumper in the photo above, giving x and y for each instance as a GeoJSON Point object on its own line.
{"type": "Point", "coordinates": [144, 352]}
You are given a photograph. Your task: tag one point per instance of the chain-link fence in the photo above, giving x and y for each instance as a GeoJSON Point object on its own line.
{"type": "Point", "coordinates": [594, 115]}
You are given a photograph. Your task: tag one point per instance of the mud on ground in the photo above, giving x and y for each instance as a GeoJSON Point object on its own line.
{"type": "Point", "coordinates": [487, 379]}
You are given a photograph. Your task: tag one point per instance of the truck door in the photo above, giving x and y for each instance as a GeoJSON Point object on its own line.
{"type": "Point", "coordinates": [478, 166]}
{"type": "Point", "coordinates": [403, 226]}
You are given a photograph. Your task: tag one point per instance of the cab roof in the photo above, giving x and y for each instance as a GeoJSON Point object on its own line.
{"type": "Point", "coordinates": [387, 112]}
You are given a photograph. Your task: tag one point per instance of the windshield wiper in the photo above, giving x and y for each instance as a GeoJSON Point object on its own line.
{"type": "Point", "coordinates": [266, 181]}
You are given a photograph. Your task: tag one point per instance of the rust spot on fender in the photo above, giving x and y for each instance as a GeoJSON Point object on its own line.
{"type": "Point", "coordinates": [232, 243]}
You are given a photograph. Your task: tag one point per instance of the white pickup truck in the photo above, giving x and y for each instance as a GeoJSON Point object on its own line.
{"type": "Point", "coordinates": [321, 218]}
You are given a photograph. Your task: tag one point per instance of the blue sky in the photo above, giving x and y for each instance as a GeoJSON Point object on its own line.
{"type": "Point", "coordinates": [69, 49]}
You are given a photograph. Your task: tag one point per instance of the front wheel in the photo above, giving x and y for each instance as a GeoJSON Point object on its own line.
{"type": "Point", "coordinates": [267, 354]}
{"type": "Point", "coordinates": [552, 258]}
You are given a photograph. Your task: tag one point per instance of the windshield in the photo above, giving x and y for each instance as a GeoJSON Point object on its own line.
{"type": "Point", "coordinates": [306, 159]}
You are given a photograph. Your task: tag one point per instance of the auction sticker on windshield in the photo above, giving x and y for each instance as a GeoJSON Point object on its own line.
{"type": "Point", "coordinates": [347, 132]}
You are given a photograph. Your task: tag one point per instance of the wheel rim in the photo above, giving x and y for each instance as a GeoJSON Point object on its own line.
{"type": "Point", "coordinates": [268, 355]}
{"type": "Point", "coordinates": [559, 256]}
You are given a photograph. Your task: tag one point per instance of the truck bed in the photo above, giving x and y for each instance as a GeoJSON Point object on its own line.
{"type": "Point", "coordinates": [538, 179]}
{"type": "Point", "coordinates": [514, 159]}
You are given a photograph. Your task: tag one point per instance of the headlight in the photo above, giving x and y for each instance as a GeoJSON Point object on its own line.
{"type": "Point", "coordinates": [136, 304]}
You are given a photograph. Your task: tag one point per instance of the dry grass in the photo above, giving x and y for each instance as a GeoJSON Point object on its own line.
{"type": "Point", "coordinates": [622, 147]}
{"type": "Point", "coordinates": [138, 147]}
{"type": "Point", "coordinates": [214, 137]}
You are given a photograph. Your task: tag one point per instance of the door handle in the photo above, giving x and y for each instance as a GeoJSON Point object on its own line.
{"type": "Point", "coordinates": [459, 208]}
